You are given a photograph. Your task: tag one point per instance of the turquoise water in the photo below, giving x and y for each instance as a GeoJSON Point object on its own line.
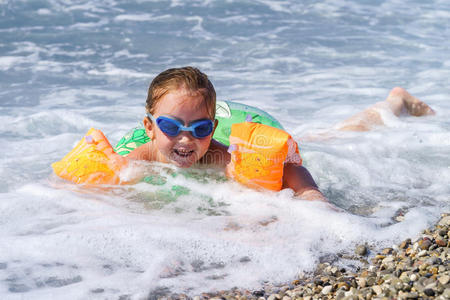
{"type": "Point", "coordinates": [66, 66]}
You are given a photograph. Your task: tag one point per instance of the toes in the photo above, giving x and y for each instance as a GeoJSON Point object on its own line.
{"type": "Point", "coordinates": [420, 109]}
{"type": "Point", "coordinates": [430, 111]}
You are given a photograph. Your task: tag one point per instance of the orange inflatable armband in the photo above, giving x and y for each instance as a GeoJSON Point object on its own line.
{"type": "Point", "coordinates": [258, 153]}
{"type": "Point", "coordinates": [92, 161]}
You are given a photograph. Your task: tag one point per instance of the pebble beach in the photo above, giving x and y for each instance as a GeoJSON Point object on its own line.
{"type": "Point", "coordinates": [416, 268]}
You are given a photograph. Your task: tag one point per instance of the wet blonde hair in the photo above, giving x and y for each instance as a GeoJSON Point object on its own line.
{"type": "Point", "coordinates": [189, 78]}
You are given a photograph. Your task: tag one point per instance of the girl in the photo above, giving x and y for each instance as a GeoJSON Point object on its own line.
{"type": "Point", "coordinates": [180, 122]}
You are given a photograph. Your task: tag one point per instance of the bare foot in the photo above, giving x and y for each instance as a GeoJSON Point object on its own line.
{"type": "Point", "coordinates": [413, 105]}
{"type": "Point", "coordinates": [419, 108]}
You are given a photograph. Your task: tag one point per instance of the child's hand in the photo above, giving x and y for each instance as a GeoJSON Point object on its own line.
{"type": "Point", "coordinates": [311, 194]}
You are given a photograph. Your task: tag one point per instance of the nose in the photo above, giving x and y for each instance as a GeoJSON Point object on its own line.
{"type": "Point", "coordinates": [185, 136]}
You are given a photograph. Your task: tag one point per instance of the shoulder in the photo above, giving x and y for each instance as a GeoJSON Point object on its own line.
{"type": "Point", "coordinates": [217, 154]}
{"type": "Point", "coordinates": [143, 152]}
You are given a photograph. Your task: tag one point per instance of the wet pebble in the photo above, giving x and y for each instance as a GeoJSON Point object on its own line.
{"type": "Point", "coordinates": [361, 250]}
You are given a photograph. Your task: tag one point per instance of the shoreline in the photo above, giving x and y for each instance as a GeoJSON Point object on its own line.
{"type": "Point", "coordinates": [413, 269]}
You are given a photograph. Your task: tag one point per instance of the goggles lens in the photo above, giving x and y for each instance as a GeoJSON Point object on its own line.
{"type": "Point", "coordinates": [168, 126]}
{"type": "Point", "coordinates": [172, 127]}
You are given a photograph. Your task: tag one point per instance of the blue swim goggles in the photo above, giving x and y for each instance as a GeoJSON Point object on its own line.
{"type": "Point", "coordinates": [172, 127]}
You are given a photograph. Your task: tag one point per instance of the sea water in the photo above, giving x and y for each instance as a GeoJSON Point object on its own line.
{"type": "Point", "coordinates": [66, 66]}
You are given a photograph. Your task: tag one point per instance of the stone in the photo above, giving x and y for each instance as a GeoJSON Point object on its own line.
{"type": "Point", "coordinates": [388, 259]}
{"type": "Point", "coordinates": [442, 232]}
{"type": "Point", "coordinates": [441, 242]}
{"type": "Point", "coordinates": [380, 257]}
{"type": "Point", "coordinates": [446, 293]}
{"type": "Point", "coordinates": [405, 277]}
{"type": "Point", "coordinates": [334, 270]}
{"type": "Point", "coordinates": [327, 289]}
{"type": "Point", "coordinates": [361, 250]}
{"type": "Point", "coordinates": [318, 281]}
{"type": "Point", "coordinates": [387, 251]}
{"type": "Point", "coordinates": [430, 285]}
{"type": "Point", "coordinates": [411, 295]}
{"type": "Point", "coordinates": [351, 292]}
{"type": "Point", "coordinates": [434, 261]}
{"type": "Point", "coordinates": [444, 279]}
{"type": "Point", "coordinates": [364, 273]}
{"type": "Point", "coordinates": [284, 289]}
{"type": "Point", "coordinates": [274, 297]}
{"type": "Point", "coordinates": [371, 280]}
{"type": "Point", "coordinates": [365, 292]}
{"type": "Point", "coordinates": [377, 290]}
{"type": "Point", "coordinates": [405, 244]}
{"type": "Point", "coordinates": [343, 286]}
{"type": "Point", "coordinates": [429, 292]}
{"type": "Point", "coordinates": [397, 284]}
{"type": "Point", "coordinates": [432, 247]}
{"type": "Point", "coordinates": [362, 282]}
{"type": "Point", "coordinates": [445, 221]}
{"type": "Point", "coordinates": [340, 295]}
{"type": "Point", "coordinates": [422, 253]}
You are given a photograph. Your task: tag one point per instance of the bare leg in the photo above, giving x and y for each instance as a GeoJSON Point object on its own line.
{"type": "Point", "coordinates": [399, 101]}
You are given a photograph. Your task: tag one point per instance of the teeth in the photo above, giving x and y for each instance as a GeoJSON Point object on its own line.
{"type": "Point", "coordinates": [182, 152]}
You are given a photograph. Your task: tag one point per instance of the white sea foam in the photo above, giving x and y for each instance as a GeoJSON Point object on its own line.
{"type": "Point", "coordinates": [6, 62]}
{"type": "Point", "coordinates": [44, 11]}
{"type": "Point", "coordinates": [260, 238]}
{"type": "Point", "coordinates": [142, 17]}
{"type": "Point", "coordinates": [135, 18]}
{"type": "Point", "coordinates": [113, 71]}
{"type": "Point", "coordinates": [89, 25]}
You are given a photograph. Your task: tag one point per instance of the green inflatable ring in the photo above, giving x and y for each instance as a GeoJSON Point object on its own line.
{"type": "Point", "coordinates": [227, 113]}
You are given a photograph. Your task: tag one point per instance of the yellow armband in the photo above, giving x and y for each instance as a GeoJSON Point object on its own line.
{"type": "Point", "coordinates": [92, 161]}
{"type": "Point", "coordinates": [258, 154]}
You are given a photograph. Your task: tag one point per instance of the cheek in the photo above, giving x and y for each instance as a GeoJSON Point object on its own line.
{"type": "Point", "coordinates": [163, 143]}
{"type": "Point", "coordinates": [203, 145]}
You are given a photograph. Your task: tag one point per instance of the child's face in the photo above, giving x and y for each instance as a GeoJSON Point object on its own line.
{"type": "Point", "coordinates": [184, 149]}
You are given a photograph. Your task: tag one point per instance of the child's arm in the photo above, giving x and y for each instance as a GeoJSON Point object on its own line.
{"type": "Point", "coordinates": [300, 180]}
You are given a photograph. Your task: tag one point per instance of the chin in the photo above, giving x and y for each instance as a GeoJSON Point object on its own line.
{"type": "Point", "coordinates": [183, 164]}
{"type": "Point", "coordinates": [183, 161]}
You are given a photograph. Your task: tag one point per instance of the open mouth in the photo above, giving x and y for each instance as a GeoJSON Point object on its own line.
{"type": "Point", "coordinates": [183, 153]}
